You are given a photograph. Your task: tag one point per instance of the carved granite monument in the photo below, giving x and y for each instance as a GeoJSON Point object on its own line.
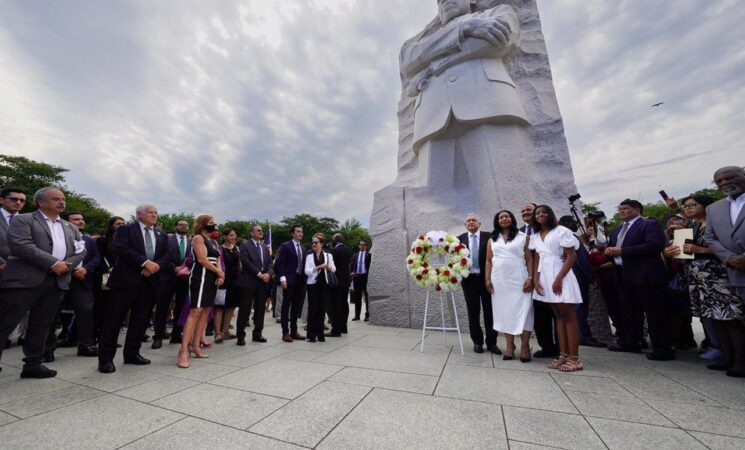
{"type": "Point", "coordinates": [479, 131]}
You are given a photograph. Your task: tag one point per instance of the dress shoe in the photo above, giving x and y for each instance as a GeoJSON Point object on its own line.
{"type": "Point", "coordinates": [67, 343]}
{"type": "Point", "coordinates": [241, 341]}
{"type": "Point", "coordinates": [297, 336]}
{"type": "Point", "coordinates": [106, 367]}
{"type": "Point", "coordinates": [367, 318]}
{"type": "Point", "coordinates": [145, 338]}
{"type": "Point", "coordinates": [478, 349]}
{"type": "Point", "coordinates": [137, 360]}
{"type": "Point", "coordinates": [663, 355]}
{"type": "Point", "coordinates": [624, 348]}
{"type": "Point", "coordinates": [643, 344]}
{"type": "Point", "coordinates": [333, 334]}
{"type": "Point", "coordinates": [494, 349]}
{"type": "Point", "coordinates": [49, 357]}
{"type": "Point", "coordinates": [719, 366]}
{"type": "Point", "coordinates": [175, 339]}
{"type": "Point", "coordinates": [593, 343]}
{"type": "Point", "coordinates": [545, 354]}
{"type": "Point", "coordinates": [157, 343]}
{"type": "Point", "coordinates": [321, 338]}
{"type": "Point", "coordinates": [87, 350]}
{"type": "Point", "coordinates": [259, 339]}
{"type": "Point", "coordinates": [38, 372]}
{"type": "Point", "coordinates": [729, 373]}
{"type": "Point", "coordinates": [312, 339]}
{"type": "Point", "coordinates": [344, 331]}
{"type": "Point", "coordinates": [356, 318]}
{"type": "Point", "coordinates": [286, 338]}
{"type": "Point", "coordinates": [278, 321]}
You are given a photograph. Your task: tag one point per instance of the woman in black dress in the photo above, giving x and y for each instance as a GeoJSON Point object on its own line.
{"type": "Point", "coordinates": [317, 265]}
{"type": "Point", "coordinates": [206, 277]}
{"type": "Point", "coordinates": [105, 246]}
{"type": "Point", "coordinates": [231, 257]}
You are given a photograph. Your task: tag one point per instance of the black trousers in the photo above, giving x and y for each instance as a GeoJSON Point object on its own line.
{"type": "Point", "coordinates": [318, 295]}
{"type": "Point", "coordinates": [81, 299]}
{"type": "Point", "coordinates": [139, 301]}
{"type": "Point", "coordinates": [611, 296]}
{"type": "Point", "coordinates": [636, 300]}
{"type": "Point", "coordinates": [164, 291]}
{"type": "Point", "coordinates": [478, 298]}
{"type": "Point", "coordinates": [360, 289]}
{"type": "Point", "coordinates": [41, 302]}
{"type": "Point", "coordinates": [339, 307]}
{"type": "Point", "coordinates": [292, 303]}
{"type": "Point", "coordinates": [583, 312]}
{"type": "Point", "coordinates": [544, 327]}
{"type": "Point", "coordinates": [248, 298]}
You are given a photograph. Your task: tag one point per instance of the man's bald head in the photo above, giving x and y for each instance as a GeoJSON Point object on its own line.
{"type": "Point", "coordinates": [730, 180]}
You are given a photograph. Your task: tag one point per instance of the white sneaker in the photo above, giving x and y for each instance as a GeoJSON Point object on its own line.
{"type": "Point", "coordinates": [711, 354]}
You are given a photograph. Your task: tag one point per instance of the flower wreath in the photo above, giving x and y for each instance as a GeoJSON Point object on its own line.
{"type": "Point", "coordinates": [447, 276]}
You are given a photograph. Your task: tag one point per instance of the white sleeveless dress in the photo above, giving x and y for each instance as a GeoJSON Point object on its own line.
{"type": "Point", "coordinates": [512, 308]}
{"type": "Point", "coordinates": [551, 249]}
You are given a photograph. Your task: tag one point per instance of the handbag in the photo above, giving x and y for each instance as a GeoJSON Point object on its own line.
{"type": "Point", "coordinates": [220, 297]}
{"type": "Point", "coordinates": [185, 270]}
{"type": "Point", "coordinates": [105, 276]}
{"type": "Point", "coordinates": [332, 279]}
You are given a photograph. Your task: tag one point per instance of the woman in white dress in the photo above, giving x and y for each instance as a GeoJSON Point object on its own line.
{"type": "Point", "coordinates": [510, 285]}
{"type": "Point", "coordinates": [555, 252]}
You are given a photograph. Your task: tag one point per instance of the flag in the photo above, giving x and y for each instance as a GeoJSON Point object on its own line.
{"type": "Point", "coordinates": [268, 239]}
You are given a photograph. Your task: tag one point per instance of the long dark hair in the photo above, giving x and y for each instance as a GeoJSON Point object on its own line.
{"type": "Point", "coordinates": [551, 223]}
{"type": "Point", "coordinates": [498, 230]}
{"type": "Point", "coordinates": [109, 233]}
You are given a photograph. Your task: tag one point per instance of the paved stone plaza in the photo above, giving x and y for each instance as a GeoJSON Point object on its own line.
{"type": "Point", "coordinates": [370, 389]}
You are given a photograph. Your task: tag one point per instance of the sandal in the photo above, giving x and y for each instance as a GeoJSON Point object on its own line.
{"type": "Point", "coordinates": [572, 364]}
{"type": "Point", "coordinates": [198, 353]}
{"type": "Point", "coordinates": [218, 338]}
{"type": "Point", "coordinates": [228, 335]}
{"type": "Point", "coordinates": [558, 362]}
{"type": "Point", "coordinates": [205, 344]}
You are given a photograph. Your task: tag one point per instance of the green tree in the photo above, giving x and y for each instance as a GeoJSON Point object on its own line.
{"type": "Point", "coordinates": [714, 193]}
{"type": "Point", "coordinates": [168, 220]}
{"type": "Point", "coordinates": [311, 225]}
{"type": "Point", "coordinates": [590, 207]}
{"type": "Point", "coordinates": [354, 232]}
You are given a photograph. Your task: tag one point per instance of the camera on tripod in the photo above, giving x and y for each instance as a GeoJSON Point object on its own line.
{"type": "Point", "coordinates": [574, 198]}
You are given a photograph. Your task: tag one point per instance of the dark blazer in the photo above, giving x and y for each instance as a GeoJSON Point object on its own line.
{"type": "Point", "coordinates": [286, 264]}
{"type": "Point", "coordinates": [342, 259]}
{"type": "Point", "coordinates": [252, 265]}
{"type": "Point", "coordinates": [355, 257]}
{"type": "Point", "coordinates": [641, 252]}
{"type": "Point", "coordinates": [483, 241]}
{"type": "Point", "coordinates": [175, 255]}
{"type": "Point", "coordinates": [30, 242]}
{"type": "Point", "coordinates": [582, 267]}
{"type": "Point", "coordinates": [4, 249]}
{"type": "Point", "coordinates": [92, 260]}
{"type": "Point", "coordinates": [129, 246]}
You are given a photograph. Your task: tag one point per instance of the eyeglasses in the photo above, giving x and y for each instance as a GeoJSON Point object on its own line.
{"type": "Point", "coordinates": [16, 199]}
{"type": "Point", "coordinates": [690, 206]}
{"type": "Point", "coordinates": [316, 242]}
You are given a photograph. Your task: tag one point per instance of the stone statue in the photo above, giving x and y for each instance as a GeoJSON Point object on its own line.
{"type": "Point", "coordinates": [479, 131]}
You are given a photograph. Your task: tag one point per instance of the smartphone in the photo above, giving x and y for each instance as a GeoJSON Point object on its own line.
{"type": "Point", "coordinates": [687, 241]}
{"type": "Point", "coordinates": [664, 195]}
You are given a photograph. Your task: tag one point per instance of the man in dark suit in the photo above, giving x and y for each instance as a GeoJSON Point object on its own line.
{"type": "Point", "coordinates": [80, 296]}
{"type": "Point", "coordinates": [359, 268]}
{"type": "Point", "coordinates": [474, 287]}
{"type": "Point", "coordinates": [254, 284]}
{"type": "Point", "coordinates": [179, 246]}
{"type": "Point", "coordinates": [289, 267]}
{"type": "Point", "coordinates": [43, 251]}
{"type": "Point", "coordinates": [544, 325]}
{"type": "Point", "coordinates": [339, 305]}
{"type": "Point", "coordinates": [12, 201]}
{"type": "Point", "coordinates": [142, 252]}
{"type": "Point", "coordinates": [636, 248]}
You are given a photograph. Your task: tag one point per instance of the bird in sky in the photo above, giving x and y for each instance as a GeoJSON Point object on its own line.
{"type": "Point", "coordinates": [657, 104]}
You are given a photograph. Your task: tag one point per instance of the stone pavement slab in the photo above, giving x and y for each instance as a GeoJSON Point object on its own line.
{"type": "Point", "coordinates": [154, 390]}
{"type": "Point", "coordinates": [719, 442]}
{"type": "Point", "coordinates": [631, 436]}
{"type": "Point", "coordinates": [550, 428]}
{"type": "Point", "coordinates": [40, 403]}
{"type": "Point", "coordinates": [725, 421]}
{"type": "Point", "coordinates": [389, 419]}
{"type": "Point", "coordinates": [386, 359]}
{"type": "Point", "coordinates": [628, 409]}
{"type": "Point", "coordinates": [397, 381]}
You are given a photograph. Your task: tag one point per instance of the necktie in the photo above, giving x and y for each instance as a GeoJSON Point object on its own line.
{"type": "Point", "coordinates": [10, 218]}
{"type": "Point", "coordinates": [182, 247]}
{"type": "Point", "coordinates": [261, 255]}
{"type": "Point", "coordinates": [475, 253]}
{"type": "Point", "coordinates": [622, 234]}
{"type": "Point", "coordinates": [360, 261]}
{"type": "Point", "coordinates": [149, 248]}
{"type": "Point", "coordinates": [299, 257]}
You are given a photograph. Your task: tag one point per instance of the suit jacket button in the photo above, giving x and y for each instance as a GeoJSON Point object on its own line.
{"type": "Point", "coordinates": [452, 78]}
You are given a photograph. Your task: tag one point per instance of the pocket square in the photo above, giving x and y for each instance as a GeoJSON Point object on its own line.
{"type": "Point", "coordinates": [79, 247]}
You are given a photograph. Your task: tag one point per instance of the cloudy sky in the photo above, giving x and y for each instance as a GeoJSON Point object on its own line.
{"type": "Point", "coordinates": [264, 109]}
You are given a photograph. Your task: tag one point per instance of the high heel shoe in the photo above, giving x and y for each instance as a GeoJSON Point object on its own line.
{"type": "Point", "coordinates": [529, 358]}
{"type": "Point", "coordinates": [507, 357]}
{"type": "Point", "coordinates": [198, 353]}
{"type": "Point", "coordinates": [183, 365]}
{"type": "Point", "coordinates": [204, 344]}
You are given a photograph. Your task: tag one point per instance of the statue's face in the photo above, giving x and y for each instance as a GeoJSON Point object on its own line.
{"type": "Point", "coordinates": [450, 9]}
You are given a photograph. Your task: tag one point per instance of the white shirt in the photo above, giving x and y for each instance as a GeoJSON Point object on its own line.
{"type": "Point", "coordinates": [478, 246]}
{"type": "Point", "coordinates": [617, 259]}
{"type": "Point", "coordinates": [735, 207]}
{"type": "Point", "coordinates": [59, 244]}
{"type": "Point", "coordinates": [7, 215]}
{"type": "Point", "coordinates": [152, 234]}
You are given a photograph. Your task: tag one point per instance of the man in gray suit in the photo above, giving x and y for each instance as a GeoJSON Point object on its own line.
{"type": "Point", "coordinates": [725, 235]}
{"type": "Point", "coordinates": [254, 284]}
{"type": "Point", "coordinates": [43, 250]}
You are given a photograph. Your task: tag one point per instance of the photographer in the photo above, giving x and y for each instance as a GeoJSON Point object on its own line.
{"type": "Point", "coordinates": [596, 225]}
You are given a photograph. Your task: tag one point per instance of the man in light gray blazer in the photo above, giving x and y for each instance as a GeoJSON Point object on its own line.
{"type": "Point", "coordinates": [43, 251]}
{"type": "Point", "coordinates": [725, 235]}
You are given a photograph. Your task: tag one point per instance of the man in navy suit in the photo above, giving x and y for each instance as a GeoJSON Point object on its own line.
{"type": "Point", "coordinates": [359, 268]}
{"type": "Point", "coordinates": [636, 251]}
{"type": "Point", "coordinates": [142, 252]}
{"type": "Point", "coordinates": [289, 267]}
{"type": "Point", "coordinates": [254, 284]}
{"type": "Point", "coordinates": [168, 283]}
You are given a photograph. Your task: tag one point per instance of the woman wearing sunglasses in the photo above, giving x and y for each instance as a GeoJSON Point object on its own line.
{"type": "Point", "coordinates": [318, 264]}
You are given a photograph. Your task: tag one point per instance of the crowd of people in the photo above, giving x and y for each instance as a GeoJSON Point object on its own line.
{"type": "Point", "coordinates": [534, 277]}
{"type": "Point", "coordinates": [136, 275]}
{"type": "Point", "coordinates": [537, 278]}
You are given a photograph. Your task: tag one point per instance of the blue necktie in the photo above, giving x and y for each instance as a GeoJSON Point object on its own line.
{"type": "Point", "coordinates": [149, 248]}
{"type": "Point", "coordinates": [261, 255]}
{"type": "Point", "coordinates": [475, 253]}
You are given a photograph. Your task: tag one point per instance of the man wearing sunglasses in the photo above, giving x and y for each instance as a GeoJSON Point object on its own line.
{"type": "Point", "coordinates": [13, 200]}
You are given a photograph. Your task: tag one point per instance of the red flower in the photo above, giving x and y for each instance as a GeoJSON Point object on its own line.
{"type": "Point", "coordinates": [453, 280]}
{"type": "Point", "coordinates": [446, 273]}
{"type": "Point", "coordinates": [447, 247]}
{"type": "Point", "coordinates": [418, 277]}
{"type": "Point", "coordinates": [419, 249]}
{"type": "Point", "coordinates": [425, 272]}
{"type": "Point", "coordinates": [450, 265]}
{"type": "Point", "coordinates": [438, 288]}
{"type": "Point", "coordinates": [463, 261]}
{"type": "Point", "coordinates": [437, 271]}
{"type": "Point", "coordinates": [424, 264]}
{"type": "Point", "coordinates": [411, 261]}
{"type": "Point", "coordinates": [421, 238]}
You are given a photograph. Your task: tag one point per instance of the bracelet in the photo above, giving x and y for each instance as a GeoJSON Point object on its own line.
{"type": "Point", "coordinates": [530, 278]}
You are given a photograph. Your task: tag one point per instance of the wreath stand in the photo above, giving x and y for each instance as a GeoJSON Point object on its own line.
{"type": "Point", "coordinates": [443, 328]}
